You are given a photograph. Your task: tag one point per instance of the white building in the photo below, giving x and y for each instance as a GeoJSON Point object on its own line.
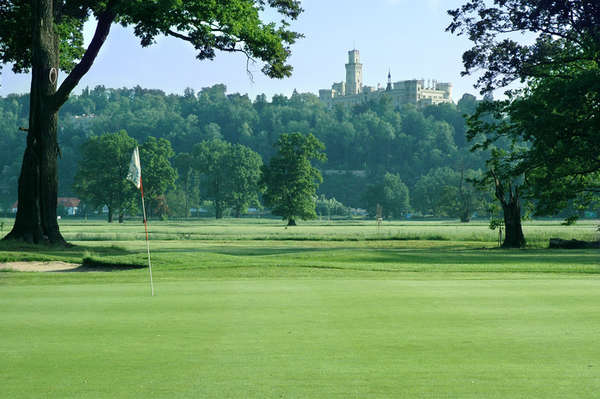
{"type": "Point", "coordinates": [352, 91]}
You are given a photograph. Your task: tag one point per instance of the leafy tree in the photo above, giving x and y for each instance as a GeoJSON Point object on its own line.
{"type": "Point", "coordinates": [446, 192]}
{"type": "Point", "coordinates": [46, 36]}
{"type": "Point", "coordinates": [566, 33]}
{"type": "Point", "coordinates": [555, 117]}
{"type": "Point", "coordinates": [554, 125]}
{"type": "Point", "coordinates": [209, 158]}
{"type": "Point", "coordinates": [432, 193]}
{"type": "Point", "coordinates": [331, 207]}
{"type": "Point", "coordinates": [101, 176]}
{"type": "Point", "coordinates": [290, 179]}
{"type": "Point", "coordinates": [392, 194]}
{"type": "Point", "coordinates": [231, 173]}
{"type": "Point", "coordinates": [187, 182]}
{"type": "Point", "coordinates": [157, 173]}
{"type": "Point", "coordinates": [244, 175]}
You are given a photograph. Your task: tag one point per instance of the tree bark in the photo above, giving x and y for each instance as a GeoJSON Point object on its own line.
{"type": "Point", "coordinates": [291, 222]}
{"type": "Point", "coordinates": [110, 215]}
{"type": "Point", "coordinates": [513, 237]}
{"type": "Point", "coordinates": [36, 220]}
{"type": "Point", "coordinates": [511, 207]}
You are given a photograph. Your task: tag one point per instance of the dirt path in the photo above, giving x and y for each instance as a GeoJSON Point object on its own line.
{"type": "Point", "coordinates": [38, 266]}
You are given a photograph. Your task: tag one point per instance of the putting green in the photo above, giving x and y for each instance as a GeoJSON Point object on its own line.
{"type": "Point", "coordinates": [292, 338]}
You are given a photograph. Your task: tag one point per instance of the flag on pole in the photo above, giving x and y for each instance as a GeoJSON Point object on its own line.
{"type": "Point", "coordinates": [135, 169]}
{"type": "Point", "coordinates": [135, 176]}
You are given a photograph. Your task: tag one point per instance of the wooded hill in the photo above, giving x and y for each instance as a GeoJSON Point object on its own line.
{"type": "Point", "coordinates": [421, 147]}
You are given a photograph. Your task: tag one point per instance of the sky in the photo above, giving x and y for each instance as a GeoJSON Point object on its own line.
{"type": "Point", "coordinates": [406, 37]}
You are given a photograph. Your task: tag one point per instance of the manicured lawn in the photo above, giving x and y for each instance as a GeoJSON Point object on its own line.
{"type": "Point", "coordinates": [329, 313]}
{"type": "Point", "coordinates": [303, 338]}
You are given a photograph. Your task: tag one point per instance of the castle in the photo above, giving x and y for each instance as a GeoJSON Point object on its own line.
{"type": "Point", "coordinates": [352, 91]}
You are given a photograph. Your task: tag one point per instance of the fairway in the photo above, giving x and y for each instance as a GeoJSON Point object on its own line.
{"type": "Point", "coordinates": [323, 311]}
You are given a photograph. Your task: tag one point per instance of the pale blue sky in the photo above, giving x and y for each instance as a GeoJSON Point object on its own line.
{"type": "Point", "coordinates": [406, 36]}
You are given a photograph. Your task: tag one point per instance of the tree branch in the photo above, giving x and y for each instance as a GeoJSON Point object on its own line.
{"type": "Point", "coordinates": [179, 35]}
{"type": "Point", "coordinates": [102, 30]}
{"type": "Point", "coordinates": [233, 49]}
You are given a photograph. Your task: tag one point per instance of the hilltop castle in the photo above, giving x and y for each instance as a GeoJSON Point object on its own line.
{"type": "Point", "coordinates": [352, 91]}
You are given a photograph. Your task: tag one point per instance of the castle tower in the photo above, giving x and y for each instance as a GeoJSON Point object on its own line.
{"type": "Point", "coordinates": [353, 73]}
{"type": "Point", "coordinates": [389, 84]}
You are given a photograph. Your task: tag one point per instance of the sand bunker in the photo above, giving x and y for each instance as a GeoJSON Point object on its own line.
{"type": "Point", "coordinates": [38, 266]}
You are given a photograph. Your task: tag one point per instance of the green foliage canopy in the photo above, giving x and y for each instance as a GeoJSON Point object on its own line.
{"type": "Point", "coordinates": [289, 178]}
{"type": "Point", "coordinates": [392, 194]}
{"type": "Point", "coordinates": [567, 36]}
{"type": "Point", "coordinates": [446, 192]}
{"type": "Point", "coordinates": [414, 140]}
{"type": "Point", "coordinates": [209, 26]}
{"type": "Point", "coordinates": [230, 174]}
{"type": "Point", "coordinates": [101, 178]}
{"type": "Point", "coordinates": [157, 173]}
{"type": "Point", "coordinates": [551, 126]}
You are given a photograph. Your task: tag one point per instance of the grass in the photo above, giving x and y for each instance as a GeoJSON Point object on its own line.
{"type": "Point", "coordinates": [537, 232]}
{"type": "Point", "coordinates": [336, 310]}
{"type": "Point", "coordinates": [303, 338]}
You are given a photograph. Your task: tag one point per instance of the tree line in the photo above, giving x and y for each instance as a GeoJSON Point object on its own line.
{"type": "Point", "coordinates": [364, 145]}
{"type": "Point", "coordinates": [229, 175]}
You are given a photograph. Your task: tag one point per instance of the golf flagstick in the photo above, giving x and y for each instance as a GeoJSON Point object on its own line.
{"type": "Point", "coordinates": [147, 239]}
{"type": "Point", "coordinates": [135, 176]}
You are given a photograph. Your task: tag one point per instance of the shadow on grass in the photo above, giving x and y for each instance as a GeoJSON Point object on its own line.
{"type": "Point", "coordinates": [483, 257]}
{"type": "Point", "coordinates": [91, 264]}
{"type": "Point", "coordinates": [236, 251]}
{"type": "Point", "coordinates": [14, 251]}
{"type": "Point", "coordinates": [14, 246]}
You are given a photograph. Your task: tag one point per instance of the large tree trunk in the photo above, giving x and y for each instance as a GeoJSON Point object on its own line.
{"type": "Point", "coordinates": [291, 222]}
{"type": "Point", "coordinates": [513, 237]}
{"type": "Point", "coordinates": [511, 207]}
{"type": "Point", "coordinates": [38, 183]}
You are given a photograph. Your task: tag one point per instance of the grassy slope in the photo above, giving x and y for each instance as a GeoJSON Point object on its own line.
{"type": "Point", "coordinates": [238, 315]}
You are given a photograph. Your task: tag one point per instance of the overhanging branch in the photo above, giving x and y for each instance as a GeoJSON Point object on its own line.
{"type": "Point", "coordinates": [102, 30]}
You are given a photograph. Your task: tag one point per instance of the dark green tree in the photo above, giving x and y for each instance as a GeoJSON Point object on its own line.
{"type": "Point", "coordinates": [45, 36]}
{"type": "Point", "coordinates": [101, 176]}
{"type": "Point", "coordinates": [392, 194]}
{"type": "Point", "coordinates": [187, 182]}
{"type": "Point", "coordinates": [290, 180]}
{"type": "Point", "coordinates": [244, 175]}
{"type": "Point", "coordinates": [552, 124]}
{"type": "Point", "coordinates": [157, 173]}
{"type": "Point", "coordinates": [448, 193]}
{"type": "Point", "coordinates": [230, 175]}
{"type": "Point", "coordinates": [209, 159]}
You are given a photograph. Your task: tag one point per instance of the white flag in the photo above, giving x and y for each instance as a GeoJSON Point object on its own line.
{"type": "Point", "coordinates": [135, 169]}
